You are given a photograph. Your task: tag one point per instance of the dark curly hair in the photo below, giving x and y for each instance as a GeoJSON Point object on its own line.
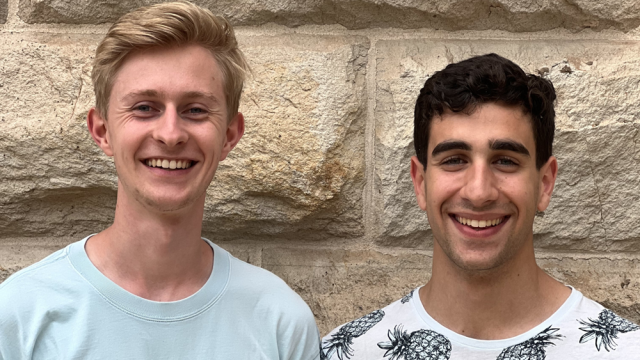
{"type": "Point", "coordinates": [462, 86]}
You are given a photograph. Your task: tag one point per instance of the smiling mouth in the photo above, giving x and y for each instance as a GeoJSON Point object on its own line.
{"type": "Point", "coordinates": [169, 164]}
{"type": "Point", "coordinates": [479, 224]}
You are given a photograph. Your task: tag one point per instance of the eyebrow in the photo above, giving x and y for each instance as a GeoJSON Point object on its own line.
{"type": "Point", "coordinates": [450, 145]}
{"type": "Point", "coordinates": [494, 144]}
{"type": "Point", "coordinates": [157, 94]}
{"type": "Point", "coordinates": [508, 145]}
{"type": "Point", "coordinates": [146, 93]}
{"type": "Point", "coordinates": [198, 94]}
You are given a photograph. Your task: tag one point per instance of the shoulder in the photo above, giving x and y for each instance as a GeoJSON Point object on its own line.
{"type": "Point", "coordinates": [36, 277]}
{"type": "Point", "coordinates": [279, 310]}
{"type": "Point", "coordinates": [254, 282]}
{"type": "Point", "coordinates": [32, 295]}
{"type": "Point", "coordinates": [606, 330]}
{"type": "Point", "coordinates": [360, 338]}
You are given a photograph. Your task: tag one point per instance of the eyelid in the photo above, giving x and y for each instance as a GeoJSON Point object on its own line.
{"type": "Point", "coordinates": [508, 158]}
{"type": "Point", "coordinates": [452, 157]}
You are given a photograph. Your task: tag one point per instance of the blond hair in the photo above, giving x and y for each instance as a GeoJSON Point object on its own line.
{"type": "Point", "coordinates": [164, 25]}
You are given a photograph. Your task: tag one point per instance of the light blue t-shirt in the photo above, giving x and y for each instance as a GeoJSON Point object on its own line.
{"type": "Point", "coordinates": [63, 307]}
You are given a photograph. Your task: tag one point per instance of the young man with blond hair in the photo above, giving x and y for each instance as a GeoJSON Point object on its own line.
{"type": "Point", "coordinates": [483, 138]}
{"type": "Point", "coordinates": [167, 80]}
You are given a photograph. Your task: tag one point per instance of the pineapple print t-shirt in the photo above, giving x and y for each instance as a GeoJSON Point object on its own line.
{"type": "Point", "coordinates": [579, 329]}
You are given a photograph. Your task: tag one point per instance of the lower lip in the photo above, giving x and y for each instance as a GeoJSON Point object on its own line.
{"type": "Point", "coordinates": [485, 232]}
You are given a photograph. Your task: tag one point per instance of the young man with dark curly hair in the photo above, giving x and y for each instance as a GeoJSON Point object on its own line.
{"type": "Point", "coordinates": [167, 80]}
{"type": "Point", "coordinates": [483, 167]}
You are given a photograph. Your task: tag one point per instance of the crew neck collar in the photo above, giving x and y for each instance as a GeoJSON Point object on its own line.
{"type": "Point", "coordinates": [454, 337]}
{"type": "Point", "coordinates": [136, 306]}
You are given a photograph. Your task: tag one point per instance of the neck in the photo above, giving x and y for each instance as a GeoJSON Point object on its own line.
{"type": "Point", "coordinates": [492, 304]}
{"type": "Point", "coordinates": [155, 255]}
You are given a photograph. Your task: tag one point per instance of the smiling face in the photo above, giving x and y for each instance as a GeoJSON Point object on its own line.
{"type": "Point", "coordinates": [167, 126]}
{"type": "Point", "coordinates": [480, 187]}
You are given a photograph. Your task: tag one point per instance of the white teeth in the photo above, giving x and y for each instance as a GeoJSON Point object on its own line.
{"type": "Point", "coordinates": [478, 223]}
{"type": "Point", "coordinates": [169, 164]}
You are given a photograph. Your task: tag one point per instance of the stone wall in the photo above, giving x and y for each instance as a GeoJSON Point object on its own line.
{"type": "Point", "coordinates": [318, 190]}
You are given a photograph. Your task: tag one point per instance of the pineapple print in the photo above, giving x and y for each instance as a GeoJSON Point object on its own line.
{"type": "Point", "coordinates": [419, 345]}
{"type": "Point", "coordinates": [341, 341]}
{"type": "Point", "coordinates": [532, 349]}
{"type": "Point", "coordinates": [323, 356]}
{"type": "Point", "coordinates": [405, 299]}
{"type": "Point", "coordinates": [605, 329]}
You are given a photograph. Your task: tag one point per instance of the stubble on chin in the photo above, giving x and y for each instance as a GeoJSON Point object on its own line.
{"type": "Point", "coordinates": [164, 207]}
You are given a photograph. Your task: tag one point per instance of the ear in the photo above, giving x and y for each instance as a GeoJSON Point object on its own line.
{"type": "Point", "coordinates": [98, 130]}
{"type": "Point", "coordinates": [235, 130]}
{"type": "Point", "coordinates": [548, 174]}
{"type": "Point", "coordinates": [419, 183]}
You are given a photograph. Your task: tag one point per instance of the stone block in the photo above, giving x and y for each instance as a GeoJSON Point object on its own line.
{"type": "Point", "coordinates": [510, 15]}
{"type": "Point", "coordinates": [4, 7]}
{"type": "Point", "coordinates": [298, 168]}
{"type": "Point", "coordinates": [597, 120]}
{"type": "Point", "coordinates": [341, 285]}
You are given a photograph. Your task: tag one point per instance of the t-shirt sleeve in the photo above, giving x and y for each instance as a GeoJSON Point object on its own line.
{"type": "Point", "coordinates": [12, 310]}
{"type": "Point", "coordinates": [299, 339]}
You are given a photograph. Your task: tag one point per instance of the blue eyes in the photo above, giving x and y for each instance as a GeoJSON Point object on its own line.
{"type": "Point", "coordinates": [144, 108]}
{"type": "Point", "coordinates": [148, 109]}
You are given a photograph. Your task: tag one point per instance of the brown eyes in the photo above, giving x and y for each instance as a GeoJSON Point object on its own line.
{"type": "Point", "coordinates": [453, 163]}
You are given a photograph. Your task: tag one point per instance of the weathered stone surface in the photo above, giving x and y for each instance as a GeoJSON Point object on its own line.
{"type": "Point", "coordinates": [4, 5]}
{"type": "Point", "coordinates": [341, 285]}
{"type": "Point", "coordinates": [357, 14]}
{"type": "Point", "coordinates": [597, 121]}
{"type": "Point", "coordinates": [298, 168]}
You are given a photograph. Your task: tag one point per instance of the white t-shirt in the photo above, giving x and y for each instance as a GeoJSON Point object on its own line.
{"type": "Point", "coordinates": [63, 307]}
{"type": "Point", "coordinates": [579, 329]}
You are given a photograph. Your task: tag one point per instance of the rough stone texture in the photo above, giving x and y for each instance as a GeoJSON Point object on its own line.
{"type": "Point", "coordinates": [54, 182]}
{"type": "Point", "coordinates": [596, 200]}
{"type": "Point", "coordinates": [508, 15]}
{"type": "Point", "coordinates": [341, 285]}
{"type": "Point", "coordinates": [299, 166]}
{"type": "Point", "coordinates": [299, 169]}
{"type": "Point", "coordinates": [4, 6]}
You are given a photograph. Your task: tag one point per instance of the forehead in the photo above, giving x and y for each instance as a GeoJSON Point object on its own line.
{"type": "Point", "coordinates": [488, 122]}
{"type": "Point", "coordinates": [168, 70]}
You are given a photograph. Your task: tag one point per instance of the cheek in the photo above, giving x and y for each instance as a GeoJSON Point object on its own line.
{"type": "Point", "coordinates": [440, 188]}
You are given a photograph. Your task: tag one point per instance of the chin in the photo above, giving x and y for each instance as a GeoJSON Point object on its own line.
{"type": "Point", "coordinates": [478, 262]}
{"type": "Point", "coordinates": [167, 205]}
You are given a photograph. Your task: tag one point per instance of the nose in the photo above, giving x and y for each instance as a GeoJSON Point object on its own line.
{"type": "Point", "coordinates": [480, 187]}
{"type": "Point", "coordinates": [169, 128]}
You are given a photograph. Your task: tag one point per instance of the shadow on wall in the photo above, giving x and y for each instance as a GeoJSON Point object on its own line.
{"type": "Point", "coordinates": [59, 213]}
